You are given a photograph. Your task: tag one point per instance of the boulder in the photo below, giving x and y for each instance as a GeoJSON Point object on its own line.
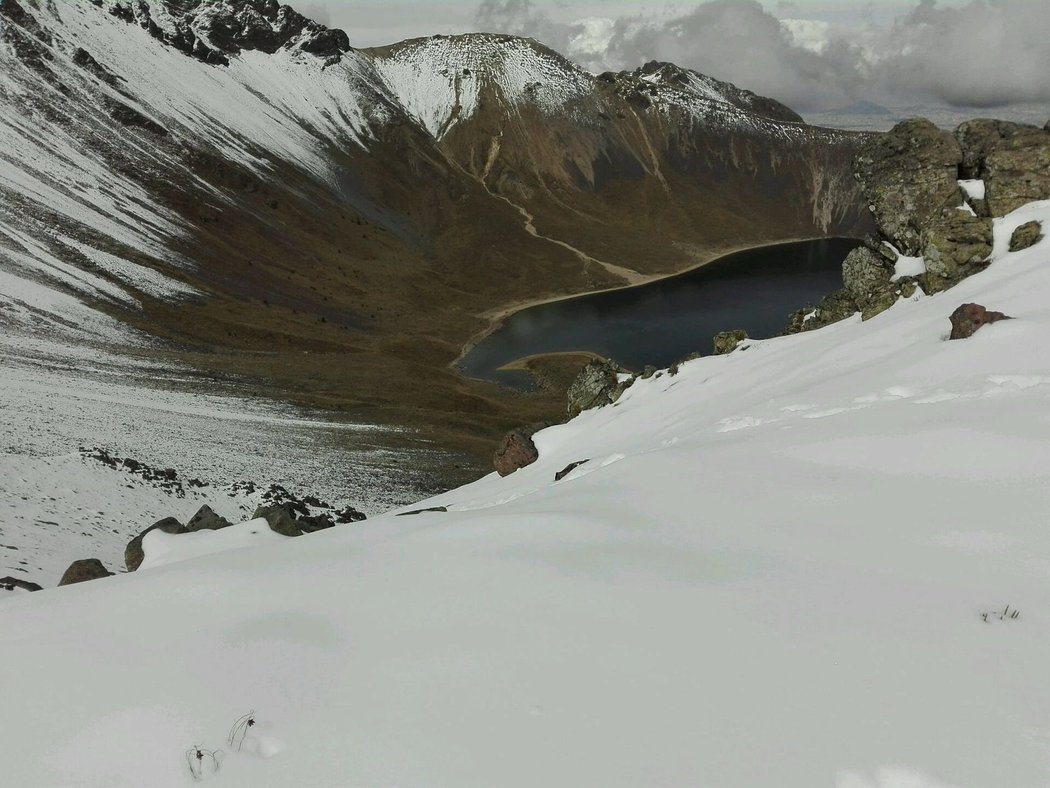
{"type": "Point", "coordinates": [280, 518]}
{"type": "Point", "coordinates": [866, 275]}
{"type": "Point", "coordinates": [83, 570]}
{"type": "Point", "coordinates": [953, 247]}
{"type": "Point", "coordinates": [1028, 234]}
{"type": "Point", "coordinates": [515, 451]}
{"type": "Point", "coordinates": [11, 583]}
{"type": "Point", "coordinates": [595, 386]}
{"type": "Point", "coordinates": [909, 176]}
{"type": "Point", "coordinates": [133, 554]}
{"type": "Point", "coordinates": [970, 317]}
{"type": "Point", "coordinates": [1017, 171]}
{"type": "Point", "coordinates": [206, 520]}
{"type": "Point", "coordinates": [728, 341]}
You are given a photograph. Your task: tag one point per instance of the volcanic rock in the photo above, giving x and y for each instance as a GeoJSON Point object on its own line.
{"type": "Point", "coordinates": [968, 318]}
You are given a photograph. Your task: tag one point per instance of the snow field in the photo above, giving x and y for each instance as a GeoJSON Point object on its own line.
{"type": "Point", "coordinates": [772, 571]}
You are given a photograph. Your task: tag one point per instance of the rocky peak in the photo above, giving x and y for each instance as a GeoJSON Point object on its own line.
{"type": "Point", "coordinates": [659, 82]}
{"type": "Point", "coordinates": [214, 30]}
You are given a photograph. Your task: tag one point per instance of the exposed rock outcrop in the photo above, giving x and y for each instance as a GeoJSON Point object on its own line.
{"type": "Point", "coordinates": [83, 570]}
{"type": "Point", "coordinates": [515, 451]}
{"type": "Point", "coordinates": [1025, 236]}
{"type": "Point", "coordinates": [597, 384]}
{"type": "Point", "coordinates": [727, 341]}
{"type": "Point", "coordinates": [133, 553]}
{"type": "Point", "coordinates": [866, 276]}
{"type": "Point", "coordinates": [968, 318]}
{"type": "Point", "coordinates": [954, 246]}
{"type": "Point", "coordinates": [1013, 160]}
{"type": "Point", "coordinates": [910, 176]}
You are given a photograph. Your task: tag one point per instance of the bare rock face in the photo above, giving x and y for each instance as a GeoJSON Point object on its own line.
{"type": "Point", "coordinates": [133, 553]}
{"type": "Point", "coordinates": [515, 451]}
{"type": "Point", "coordinates": [83, 570]}
{"type": "Point", "coordinates": [970, 317]}
{"type": "Point", "coordinates": [726, 342]}
{"type": "Point", "coordinates": [1025, 236]}
{"type": "Point", "coordinates": [595, 386]}
{"type": "Point", "coordinates": [909, 176]}
{"type": "Point", "coordinates": [954, 246]}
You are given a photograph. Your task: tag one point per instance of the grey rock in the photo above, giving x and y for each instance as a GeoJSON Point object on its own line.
{"type": "Point", "coordinates": [1017, 171]}
{"type": "Point", "coordinates": [595, 386]}
{"type": "Point", "coordinates": [727, 341]}
{"type": "Point", "coordinates": [831, 309]}
{"type": "Point", "coordinates": [977, 138]}
{"type": "Point", "coordinates": [133, 554]}
{"type": "Point", "coordinates": [909, 176]}
{"type": "Point", "coordinates": [866, 276]}
{"type": "Point", "coordinates": [206, 520]}
{"type": "Point", "coordinates": [1025, 236]}
{"type": "Point", "coordinates": [280, 518]}
{"type": "Point", "coordinates": [83, 570]}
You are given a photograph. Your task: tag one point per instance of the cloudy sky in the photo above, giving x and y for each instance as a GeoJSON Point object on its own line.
{"type": "Point", "coordinates": [812, 54]}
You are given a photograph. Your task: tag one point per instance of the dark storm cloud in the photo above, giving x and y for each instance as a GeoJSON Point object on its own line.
{"type": "Point", "coordinates": [986, 53]}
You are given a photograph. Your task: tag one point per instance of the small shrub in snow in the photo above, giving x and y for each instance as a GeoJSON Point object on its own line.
{"type": "Point", "coordinates": [197, 756]}
{"type": "Point", "coordinates": [1002, 615]}
{"type": "Point", "coordinates": [240, 729]}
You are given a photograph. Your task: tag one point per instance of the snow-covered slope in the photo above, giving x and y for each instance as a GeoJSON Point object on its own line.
{"type": "Point", "coordinates": [785, 566]}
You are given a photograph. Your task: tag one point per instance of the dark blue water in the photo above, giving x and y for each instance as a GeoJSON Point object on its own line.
{"type": "Point", "coordinates": [661, 322]}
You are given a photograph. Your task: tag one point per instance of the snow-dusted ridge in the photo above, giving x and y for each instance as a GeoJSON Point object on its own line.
{"type": "Point", "coordinates": [785, 566]}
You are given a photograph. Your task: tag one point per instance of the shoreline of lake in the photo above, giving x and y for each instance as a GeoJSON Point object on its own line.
{"type": "Point", "coordinates": [755, 288]}
{"type": "Point", "coordinates": [498, 316]}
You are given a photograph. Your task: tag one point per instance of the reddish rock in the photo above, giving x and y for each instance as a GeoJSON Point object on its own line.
{"type": "Point", "coordinates": [516, 450]}
{"type": "Point", "coordinates": [970, 317]}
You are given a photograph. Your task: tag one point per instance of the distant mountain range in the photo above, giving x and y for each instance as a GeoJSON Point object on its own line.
{"type": "Point", "coordinates": [228, 181]}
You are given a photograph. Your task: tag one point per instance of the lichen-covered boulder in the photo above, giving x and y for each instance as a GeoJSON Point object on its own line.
{"type": "Point", "coordinates": [977, 138]}
{"type": "Point", "coordinates": [866, 275]}
{"type": "Point", "coordinates": [727, 341]}
{"type": "Point", "coordinates": [831, 309]}
{"type": "Point", "coordinates": [1025, 236]}
{"type": "Point", "coordinates": [909, 176]}
{"type": "Point", "coordinates": [596, 385]}
{"type": "Point", "coordinates": [1017, 170]}
{"type": "Point", "coordinates": [954, 246]}
{"type": "Point", "coordinates": [83, 570]}
{"type": "Point", "coordinates": [133, 554]}
{"type": "Point", "coordinates": [970, 317]}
